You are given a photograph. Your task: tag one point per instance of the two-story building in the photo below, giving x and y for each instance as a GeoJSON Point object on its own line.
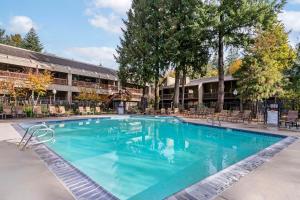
{"type": "Point", "coordinates": [203, 91]}
{"type": "Point", "coordinates": [69, 76]}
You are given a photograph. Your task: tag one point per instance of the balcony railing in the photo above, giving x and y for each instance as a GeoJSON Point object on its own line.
{"type": "Point", "coordinates": [13, 74]}
{"type": "Point", "coordinates": [186, 96]}
{"type": "Point", "coordinates": [168, 96]}
{"type": "Point", "coordinates": [18, 75]}
{"type": "Point", "coordinates": [94, 85]}
{"type": "Point", "coordinates": [134, 90]}
{"type": "Point", "coordinates": [215, 95]}
{"type": "Point", "coordinates": [60, 81]}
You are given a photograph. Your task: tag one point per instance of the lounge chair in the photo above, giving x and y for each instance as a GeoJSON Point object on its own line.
{"type": "Point", "coordinates": [191, 112]}
{"type": "Point", "coordinates": [223, 115]}
{"type": "Point", "coordinates": [162, 111]}
{"type": "Point", "coordinates": [88, 110]}
{"type": "Point", "coordinates": [291, 119]}
{"type": "Point", "coordinates": [247, 115]}
{"type": "Point", "coordinates": [20, 112]}
{"type": "Point", "coordinates": [97, 110]}
{"type": "Point", "coordinates": [7, 112]}
{"type": "Point", "coordinates": [52, 110]}
{"type": "Point", "coordinates": [235, 116]}
{"type": "Point", "coordinates": [176, 111]}
{"type": "Point", "coordinates": [169, 111]}
{"type": "Point", "coordinates": [82, 110]}
{"type": "Point", "coordinates": [37, 110]}
{"type": "Point", "coordinates": [62, 111]}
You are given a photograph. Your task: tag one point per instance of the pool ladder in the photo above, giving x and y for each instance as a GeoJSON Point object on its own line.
{"type": "Point", "coordinates": [36, 132]}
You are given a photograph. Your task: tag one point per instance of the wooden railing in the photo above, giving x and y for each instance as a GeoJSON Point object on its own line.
{"type": "Point", "coordinates": [186, 96]}
{"type": "Point", "coordinates": [13, 74]}
{"type": "Point", "coordinates": [17, 75]}
{"type": "Point", "coordinates": [60, 81]}
{"type": "Point", "coordinates": [94, 85]}
{"type": "Point", "coordinates": [134, 90]}
{"type": "Point", "coordinates": [215, 95]}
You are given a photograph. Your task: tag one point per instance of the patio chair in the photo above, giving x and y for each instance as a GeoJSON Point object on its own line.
{"type": "Point", "coordinates": [169, 111]}
{"type": "Point", "coordinates": [7, 111]}
{"type": "Point", "coordinates": [162, 111]}
{"type": "Point", "coordinates": [223, 115]}
{"type": "Point", "coordinates": [20, 112]}
{"type": "Point", "coordinates": [247, 115]}
{"type": "Point", "coordinates": [97, 110]}
{"type": "Point", "coordinates": [88, 110]}
{"type": "Point", "coordinates": [82, 110]}
{"type": "Point", "coordinates": [208, 113]}
{"type": "Point", "coordinates": [62, 111]}
{"type": "Point", "coordinates": [235, 116]}
{"type": "Point", "coordinates": [191, 112]}
{"type": "Point", "coordinates": [176, 111]}
{"type": "Point", "coordinates": [37, 110]}
{"type": "Point", "coordinates": [291, 118]}
{"type": "Point", "coordinates": [52, 111]}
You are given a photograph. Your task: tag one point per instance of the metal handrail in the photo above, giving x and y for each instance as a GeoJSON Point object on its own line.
{"type": "Point", "coordinates": [33, 131]}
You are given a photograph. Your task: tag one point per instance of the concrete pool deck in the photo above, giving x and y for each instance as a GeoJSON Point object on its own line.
{"type": "Point", "coordinates": [279, 178]}
{"type": "Point", "coordinates": [23, 176]}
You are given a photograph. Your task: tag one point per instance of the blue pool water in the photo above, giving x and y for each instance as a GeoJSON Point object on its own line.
{"type": "Point", "coordinates": [148, 157]}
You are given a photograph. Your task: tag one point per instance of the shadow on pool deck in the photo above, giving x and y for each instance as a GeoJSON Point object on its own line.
{"type": "Point", "coordinates": [25, 177]}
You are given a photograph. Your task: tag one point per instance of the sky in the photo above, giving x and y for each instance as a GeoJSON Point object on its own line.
{"type": "Point", "coordinates": [89, 30]}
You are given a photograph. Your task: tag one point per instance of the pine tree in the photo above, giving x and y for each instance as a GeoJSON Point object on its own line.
{"type": "Point", "coordinates": [232, 22]}
{"type": "Point", "coordinates": [2, 36]}
{"type": "Point", "coordinates": [32, 42]}
{"type": "Point", "coordinates": [186, 44]}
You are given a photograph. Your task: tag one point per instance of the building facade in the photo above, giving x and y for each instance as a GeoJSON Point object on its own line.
{"type": "Point", "coordinates": [69, 76]}
{"type": "Point", "coordinates": [203, 91]}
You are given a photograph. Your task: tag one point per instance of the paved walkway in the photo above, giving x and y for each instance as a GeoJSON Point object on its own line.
{"type": "Point", "coordinates": [23, 176]}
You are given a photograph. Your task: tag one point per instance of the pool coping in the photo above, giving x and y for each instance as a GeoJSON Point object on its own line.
{"type": "Point", "coordinates": [83, 187]}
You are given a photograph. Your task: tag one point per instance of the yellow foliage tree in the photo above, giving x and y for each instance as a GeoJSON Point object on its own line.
{"type": "Point", "coordinates": [38, 82]}
{"type": "Point", "coordinates": [12, 88]}
{"type": "Point", "coordinates": [234, 66]}
{"type": "Point", "coordinates": [90, 95]}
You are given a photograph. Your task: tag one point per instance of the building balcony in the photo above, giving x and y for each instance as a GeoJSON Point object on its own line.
{"type": "Point", "coordinates": [186, 96]}
{"type": "Point", "coordinates": [17, 75]}
{"type": "Point", "coordinates": [134, 90]}
{"type": "Point", "coordinates": [94, 85]}
{"type": "Point", "coordinates": [60, 81]}
{"type": "Point", "coordinates": [214, 95]}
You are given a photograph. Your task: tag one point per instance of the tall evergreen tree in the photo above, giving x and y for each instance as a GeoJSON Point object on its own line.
{"type": "Point", "coordinates": [140, 54]}
{"type": "Point", "coordinates": [186, 46]}
{"type": "Point", "coordinates": [132, 53]}
{"type": "Point", "coordinates": [232, 23]}
{"type": "Point", "coordinates": [2, 36]}
{"type": "Point", "coordinates": [32, 42]}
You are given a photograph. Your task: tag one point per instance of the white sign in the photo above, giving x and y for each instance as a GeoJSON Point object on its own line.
{"type": "Point", "coordinates": [272, 117]}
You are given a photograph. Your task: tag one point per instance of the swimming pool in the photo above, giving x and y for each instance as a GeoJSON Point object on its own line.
{"type": "Point", "coordinates": [151, 157]}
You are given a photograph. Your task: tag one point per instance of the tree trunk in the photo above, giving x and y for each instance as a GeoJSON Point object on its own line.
{"type": "Point", "coordinates": [144, 99]}
{"type": "Point", "coordinates": [220, 102]}
{"type": "Point", "coordinates": [183, 82]}
{"type": "Point", "coordinates": [156, 88]}
{"type": "Point", "coordinates": [176, 89]}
